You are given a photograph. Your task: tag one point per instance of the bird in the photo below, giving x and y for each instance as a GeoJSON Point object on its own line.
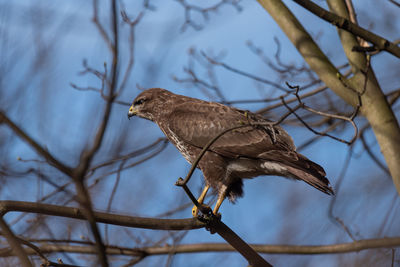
{"type": "Point", "coordinates": [258, 147]}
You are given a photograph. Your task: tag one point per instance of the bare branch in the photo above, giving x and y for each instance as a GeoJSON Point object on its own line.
{"type": "Point", "coordinates": [356, 246]}
{"type": "Point", "coordinates": [395, 3]}
{"type": "Point", "coordinates": [349, 119]}
{"type": "Point", "coordinates": [133, 154]}
{"type": "Point", "coordinates": [14, 243]}
{"type": "Point", "coordinates": [204, 12]}
{"type": "Point", "coordinates": [245, 74]}
{"type": "Point", "coordinates": [100, 27]}
{"type": "Point", "coordinates": [88, 154]}
{"type": "Point", "coordinates": [369, 151]}
{"type": "Point", "coordinates": [132, 24]}
{"type": "Point", "coordinates": [39, 149]}
{"type": "Point", "coordinates": [380, 43]}
{"type": "Point", "coordinates": [101, 217]}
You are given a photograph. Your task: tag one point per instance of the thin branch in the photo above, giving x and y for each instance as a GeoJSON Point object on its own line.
{"type": "Point", "coordinates": [35, 145]}
{"type": "Point", "coordinates": [316, 137]}
{"type": "Point", "coordinates": [395, 3]}
{"type": "Point", "coordinates": [203, 11]}
{"type": "Point", "coordinates": [336, 219]}
{"type": "Point", "coordinates": [369, 151]}
{"type": "Point", "coordinates": [245, 74]}
{"type": "Point", "coordinates": [350, 247]}
{"type": "Point", "coordinates": [113, 191]}
{"type": "Point", "coordinates": [14, 243]}
{"type": "Point", "coordinates": [132, 24]}
{"type": "Point", "coordinates": [88, 154]}
{"type": "Point", "coordinates": [379, 42]}
{"type": "Point", "coordinates": [100, 27]}
{"type": "Point", "coordinates": [335, 116]}
{"type": "Point", "coordinates": [46, 261]}
{"type": "Point", "coordinates": [309, 127]}
{"type": "Point", "coordinates": [311, 93]}
{"type": "Point", "coordinates": [133, 154]}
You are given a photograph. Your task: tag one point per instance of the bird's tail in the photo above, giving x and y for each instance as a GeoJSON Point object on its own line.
{"type": "Point", "coordinates": [311, 173]}
{"type": "Point", "coordinates": [299, 167]}
{"type": "Point", "coordinates": [316, 180]}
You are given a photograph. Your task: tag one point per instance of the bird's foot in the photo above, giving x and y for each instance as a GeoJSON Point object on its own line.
{"type": "Point", "coordinates": [205, 209]}
{"type": "Point", "coordinates": [211, 220]}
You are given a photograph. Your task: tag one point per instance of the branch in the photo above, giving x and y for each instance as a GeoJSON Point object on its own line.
{"type": "Point", "coordinates": [88, 154]}
{"type": "Point", "coordinates": [39, 149]}
{"type": "Point", "coordinates": [237, 243]}
{"type": "Point", "coordinates": [304, 106]}
{"type": "Point", "coordinates": [356, 246]}
{"type": "Point", "coordinates": [379, 42]}
{"type": "Point", "coordinates": [189, 8]}
{"type": "Point", "coordinates": [37, 251]}
{"type": "Point", "coordinates": [130, 155]}
{"type": "Point", "coordinates": [395, 3]}
{"type": "Point", "coordinates": [14, 243]}
{"type": "Point", "coordinates": [101, 217]}
{"type": "Point", "coordinates": [369, 151]}
{"type": "Point", "coordinates": [245, 74]}
{"type": "Point", "coordinates": [132, 24]}
{"type": "Point", "coordinates": [306, 46]}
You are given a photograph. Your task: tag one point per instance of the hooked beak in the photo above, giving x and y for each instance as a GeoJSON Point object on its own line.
{"type": "Point", "coordinates": [132, 112]}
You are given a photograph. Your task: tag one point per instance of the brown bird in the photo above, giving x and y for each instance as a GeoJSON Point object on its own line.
{"type": "Point", "coordinates": [251, 151]}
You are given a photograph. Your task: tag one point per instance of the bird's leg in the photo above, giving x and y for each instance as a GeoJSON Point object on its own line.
{"type": "Point", "coordinates": [221, 198]}
{"type": "Point", "coordinates": [195, 210]}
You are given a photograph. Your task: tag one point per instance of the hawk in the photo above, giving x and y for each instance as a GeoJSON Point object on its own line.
{"type": "Point", "coordinates": [260, 148]}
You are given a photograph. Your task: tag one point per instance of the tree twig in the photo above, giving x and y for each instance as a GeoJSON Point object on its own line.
{"type": "Point", "coordinates": [14, 243]}
{"type": "Point", "coordinates": [35, 145]}
{"type": "Point", "coordinates": [350, 247]}
{"type": "Point", "coordinates": [379, 42]}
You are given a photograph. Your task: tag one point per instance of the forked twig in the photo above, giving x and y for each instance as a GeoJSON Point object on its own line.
{"type": "Point", "coordinates": [334, 116]}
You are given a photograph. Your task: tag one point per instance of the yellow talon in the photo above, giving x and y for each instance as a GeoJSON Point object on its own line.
{"type": "Point", "coordinates": [195, 210]}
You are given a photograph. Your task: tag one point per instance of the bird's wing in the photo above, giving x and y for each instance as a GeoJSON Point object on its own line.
{"type": "Point", "coordinates": [198, 122]}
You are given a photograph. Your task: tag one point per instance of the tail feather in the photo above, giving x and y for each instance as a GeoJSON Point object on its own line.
{"type": "Point", "coordinates": [318, 181]}
{"type": "Point", "coordinates": [297, 166]}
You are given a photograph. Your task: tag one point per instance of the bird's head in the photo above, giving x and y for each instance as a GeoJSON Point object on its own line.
{"type": "Point", "coordinates": [149, 103]}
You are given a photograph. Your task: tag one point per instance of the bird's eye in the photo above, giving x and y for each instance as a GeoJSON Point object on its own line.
{"type": "Point", "coordinates": [138, 102]}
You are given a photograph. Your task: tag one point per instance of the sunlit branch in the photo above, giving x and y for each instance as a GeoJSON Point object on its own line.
{"type": "Point", "coordinates": [379, 42]}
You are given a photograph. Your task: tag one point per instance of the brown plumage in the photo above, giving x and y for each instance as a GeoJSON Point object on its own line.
{"type": "Point", "coordinates": [247, 152]}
